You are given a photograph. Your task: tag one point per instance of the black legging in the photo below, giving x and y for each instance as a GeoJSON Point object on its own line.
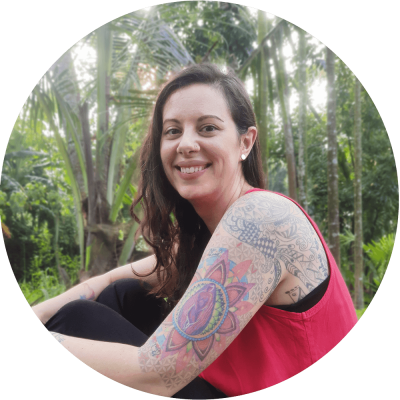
{"type": "Point", "coordinates": [123, 313]}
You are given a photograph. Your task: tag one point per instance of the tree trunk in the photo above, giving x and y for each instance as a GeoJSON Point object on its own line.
{"type": "Point", "coordinates": [262, 109]}
{"type": "Point", "coordinates": [101, 255]}
{"type": "Point", "coordinates": [302, 160]}
{"type": "Point", "coordinates": [64, 71]}
{"type": "Point", "coordinates": [91, 196]}
{"type": "Point", "coordinates": [98, 253]}
{"type": "Point", "coordinates": [358, 243]}
{"type": "Point", "coordinates": [333, 179]}
{"type": "Point", "coordinates": [103, 142]}
{"type": "Point", "coordinates": [283, 92]}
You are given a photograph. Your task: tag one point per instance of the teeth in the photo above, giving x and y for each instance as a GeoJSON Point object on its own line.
{"type": "Point", "coordinates": [192, 170]}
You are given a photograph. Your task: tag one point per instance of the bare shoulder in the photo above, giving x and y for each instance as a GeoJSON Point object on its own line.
{"type": "Point", "coordinates": [284, 235]}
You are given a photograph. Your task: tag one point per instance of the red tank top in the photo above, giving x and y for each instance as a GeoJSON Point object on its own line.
{"type": "Point", "coordinates": [276, 345]}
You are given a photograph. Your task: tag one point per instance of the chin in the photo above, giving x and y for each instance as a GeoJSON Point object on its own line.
{"type": "Point", "coordinates": [193, 193]}
{"type": "Point", "coordinates": [189, 193]}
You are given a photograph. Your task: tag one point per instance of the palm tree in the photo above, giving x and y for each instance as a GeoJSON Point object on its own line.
{"type": "Point", "coordinates": [358, 233]}
{"type": "Point", "coordinates": [333, 176]}
{"type": "Point", "coordinates": [302, 76]}
{"type": "Point", "coordinates": [133, 46]}
{"type": "Point", "coordinates": [283, 96]}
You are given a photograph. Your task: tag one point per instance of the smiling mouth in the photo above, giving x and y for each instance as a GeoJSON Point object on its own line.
{"type": "Point", "coordinates": [192, 170]}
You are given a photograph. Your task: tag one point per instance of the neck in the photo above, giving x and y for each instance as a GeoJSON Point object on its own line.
{"type": "Point", "coordinates": [211, 211]}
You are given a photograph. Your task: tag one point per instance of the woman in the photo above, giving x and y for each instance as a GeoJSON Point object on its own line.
{"type": "Point", "coordinates": [231, 256]}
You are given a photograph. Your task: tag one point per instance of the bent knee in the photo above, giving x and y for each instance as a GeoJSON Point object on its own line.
{"type": "Point", "coordinates": [71, 315]}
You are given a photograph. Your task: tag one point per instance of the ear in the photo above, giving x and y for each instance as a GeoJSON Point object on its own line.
{"type": "Point", "coordinates": [247, 141]}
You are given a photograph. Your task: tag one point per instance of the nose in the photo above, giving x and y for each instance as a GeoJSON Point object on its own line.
{"type": "Point", "coordinates": [188, 143]}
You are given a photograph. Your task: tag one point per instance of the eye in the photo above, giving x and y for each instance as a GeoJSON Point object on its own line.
{"type": "Point", "coordinates": [208, 128]}
{"type": "Point", "coordinates": [171, 132]}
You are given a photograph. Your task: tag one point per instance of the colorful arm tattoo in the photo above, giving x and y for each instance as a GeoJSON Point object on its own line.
{"type": "Point", "coordinates": [241, 266]}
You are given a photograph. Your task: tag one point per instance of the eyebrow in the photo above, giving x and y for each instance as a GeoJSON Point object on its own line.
{"type": "Point", "coordinates": [203, 117]}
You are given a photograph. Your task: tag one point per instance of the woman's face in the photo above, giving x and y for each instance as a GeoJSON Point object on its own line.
{"type": "Point", "coordinates": [200, 146]}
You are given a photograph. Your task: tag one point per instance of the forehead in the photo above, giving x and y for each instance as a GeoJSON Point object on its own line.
{"type": "Point", "coordinates": [196, 99]}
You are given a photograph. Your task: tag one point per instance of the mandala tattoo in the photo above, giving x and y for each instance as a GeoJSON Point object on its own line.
{"type": "Point", "coordinates": [203, 323]}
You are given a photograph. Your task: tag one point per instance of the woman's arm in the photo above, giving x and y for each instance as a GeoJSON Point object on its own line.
{"type": "Point", "coordinates": [261, 241]}
{"type": "Point", "coordinates": [90, 289]}
{"type": "Point", "coordinates": [114, 360]}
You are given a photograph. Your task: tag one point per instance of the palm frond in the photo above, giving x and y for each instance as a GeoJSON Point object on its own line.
{"type": "Point", "coordinates": [24, 154]}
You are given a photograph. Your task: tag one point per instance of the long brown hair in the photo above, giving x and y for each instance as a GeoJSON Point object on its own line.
{"type": "Point", "coordinates": [170, 224]}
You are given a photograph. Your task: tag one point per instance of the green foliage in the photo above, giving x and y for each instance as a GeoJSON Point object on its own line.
{"type": "Point", "coordinates": [128, 199]}
{"type": "Point", "coordinates": [377, 260]}
{"type": "Point", "coordinates": [3, 203]}
{"type": "Point", "coordinates": [379, 255]}
{"type": "Point", "coordinates": [39, 200]}
{"type": "Point", "coordinates": [360, 313]}
{"type": "Point", "coordinates": [33, 193]}
{"type": "Point", "coordinates": [42, 239]}
{"type": "Point", "coordinates": [71, 266]}
{"type": "Point", "coordinates": [200, 25]}
{"type": "Point", "coordinates": [42, 286]}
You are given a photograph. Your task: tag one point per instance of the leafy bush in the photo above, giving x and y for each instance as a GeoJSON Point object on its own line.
{"type": "Point", "coordinates": [71, 266]}
{"type": "Point", "coordinates": [43, 286]}
{"type": "Point", "coordinates": [379, 255]}
{"type": "Point", "coordinates": [376, 262]}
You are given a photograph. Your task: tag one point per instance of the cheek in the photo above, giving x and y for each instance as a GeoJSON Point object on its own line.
{"type": "Point", "coordinates": [167, 155]}
{"type": "Point", "coordinates": [225, 156]}
{"type": "Point", "coordinates": [164, 153]}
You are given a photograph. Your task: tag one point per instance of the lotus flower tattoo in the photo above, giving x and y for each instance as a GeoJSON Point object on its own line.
{"type": "Point", "coordinates": [209, 310]}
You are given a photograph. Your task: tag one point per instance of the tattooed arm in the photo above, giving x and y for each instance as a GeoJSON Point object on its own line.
{"type": "Point", "coordinates": [264, 242]}
{"type": "Point", "coordinates": [261, 242]}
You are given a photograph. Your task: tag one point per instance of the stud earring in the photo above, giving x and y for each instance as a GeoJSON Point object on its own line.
{"type": "Point", "coordinates": [243, 157]}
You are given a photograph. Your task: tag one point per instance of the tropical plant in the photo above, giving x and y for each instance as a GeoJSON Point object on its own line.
{"type": "Point", "coordinates": [379, 255]}
{"type": "Point", "coordinates": [70, 171]}
{"type": "Point", "coordinates": [43, 286]}
{"type": "Point", "coordinates": [217, 32]}
{"type": "Point", "coordinates": [34, 198]}
{"type": "Point", "coordinates": [131, 50]}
